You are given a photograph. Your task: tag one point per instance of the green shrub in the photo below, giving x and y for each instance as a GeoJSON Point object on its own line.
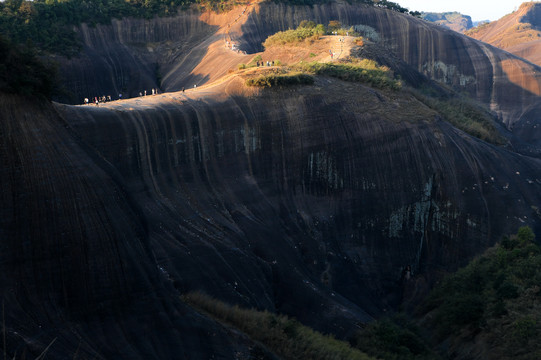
{"type": "Point", "coordinates": [497, 296]}
{"type": "Point", "coordinates": [366, 71]}
{"type": "Point", "coordinates": [271, 80]}
{"type": "Point", "coordinates": [21, 72]}
{"type": "Point", "coordinates": [294, 36]}
{"type": "Point", "coordinates": [465, 115]}
{"type": "Point", "coordinates": [394, 338]}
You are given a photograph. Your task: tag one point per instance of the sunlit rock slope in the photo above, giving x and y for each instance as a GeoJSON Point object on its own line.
{"type": "Point", "coordinates": [518, 32]}
{"type": "Point", "coordinates": [171, 53]}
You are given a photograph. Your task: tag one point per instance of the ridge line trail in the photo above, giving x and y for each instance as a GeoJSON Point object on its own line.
{"type": "Point", "coordinates": [219, 59]}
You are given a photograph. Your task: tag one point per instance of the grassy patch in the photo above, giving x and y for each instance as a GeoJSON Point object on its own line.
{"type": "Point", "coordinates": [296, 36]}
{"type": "Point", "coordinates": [276, 79]}
{"type": "Point", "coordinates": [365, 71]}
{"type": "Point", "coordinates": [465, 115]}
{"type": "Point", "coordinates": [284, 336]}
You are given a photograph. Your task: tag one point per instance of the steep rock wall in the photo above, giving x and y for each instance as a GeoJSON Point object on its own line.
{"type": "Point", "coordinates": [509, 85]}
{"type": "Point", "coordinates": [300, 200]}
{"type": "Point", "coordinates": [78, 270]}
{"type": "Point", "coordinates": [131, 55]}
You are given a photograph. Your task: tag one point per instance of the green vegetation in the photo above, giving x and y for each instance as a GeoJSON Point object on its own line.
{"type": "Point", "coordinates": [307, 30]}
{"type": "Point", "coordinates": [22, 73]}
{"type": "Point", "coordinates": [284, 336]}
{"type": "Point", "coordinates": [277, 79]}
{"type": "Point", "coordinates": [48, 24]}
{"type": "Point", "coordinates": [379, 3]}
{"type": "Point", "coordinates": [394, 338]}
{"type": "Point", "coordinates": [494, 303]}
{"type": "Point", "coordinates": [365, 71]}
{"type": "Point", "coordinates": [465, 115]}
{"type": "Point", "coordinates": [497, 297]}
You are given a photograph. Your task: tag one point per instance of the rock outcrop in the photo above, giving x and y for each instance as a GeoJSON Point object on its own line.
{"type": "Point", "coordinates": [308, 201]}
{"type": "Point", "coordinates": [451, 20]}
{"type": "Point", "coordinates": [188, 50]}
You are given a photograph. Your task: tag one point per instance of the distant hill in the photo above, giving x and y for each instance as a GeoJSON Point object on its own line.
{"type": "Point", "coordinates": [452, 20]}
{"type": "Point", "coordinates": [518, 32]}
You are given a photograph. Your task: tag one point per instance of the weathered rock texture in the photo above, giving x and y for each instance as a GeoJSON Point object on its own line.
{"type": "Point", "coordinates": [133, 55]}
{"type": "Point", "coordinates": [308, 201]}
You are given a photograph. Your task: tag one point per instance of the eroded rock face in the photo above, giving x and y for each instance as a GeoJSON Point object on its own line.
{"type": "Point", "coordinates": [509, 85]}
{"type": "Point", "coordinates": [78, 270]}
{"type": "Point", "coordinates": [307, 203]}
{"type": "Point", "coordinates": [187, 50]}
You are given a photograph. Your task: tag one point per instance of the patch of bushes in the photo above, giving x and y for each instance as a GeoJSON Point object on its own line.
{"type": "Point", "coordinates": [365, 71]}
{"type": "Point", "coordinates": [393, 338]}
{"type": "Point", "coordinates": [300, 34]}
{"type": "Point", "coordinates": [21, 72]}
{"type": "Point", "coordinates": [465, 115]}
{"type": "Point", "coordinates": [288, 79]}
{"type": "Point", "coordinates": [284, 336]}
{"type": "Point", "coordinates": [497, 295]}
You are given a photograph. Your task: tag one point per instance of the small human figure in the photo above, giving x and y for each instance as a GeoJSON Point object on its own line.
{"type": "Point", "coordinates": [140, 93]}
{"type": "Point", "coordinates": [96, 100]}
{"type": "Point", "coordinates": [272, 62]}
{"type": "Point", "coordinates": [120, 96]}
{"type": "Point", "coordinates": [407, 273]}
{"type": "Point", "coordinates": [145, 93]}
{"type": "Point", "coordinates": [183, 89]}
{"type": "Point", "coordinates": [195, 85]}
{"type": "Point", "coordinates": [86, 101]}
{"type": "Point", "coordinates": [108, 97]}
{"type": "Point", "coordinates": [153, 91]}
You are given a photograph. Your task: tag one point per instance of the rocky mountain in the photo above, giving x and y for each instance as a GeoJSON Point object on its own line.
{"type": "Point", "coordinates": [307, 201]}
{"type": "Point", "coordinates": [519, 32]}
{"type": "Point", "coordinates": [452, 20]}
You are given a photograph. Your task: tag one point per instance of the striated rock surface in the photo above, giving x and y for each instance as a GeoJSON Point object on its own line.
{"type": "Point", "coordinates": [189, 49]}
{"type": "Point", "coordinates": [308, 201]}
{"type": "Point", "coordinates": [301, 201]}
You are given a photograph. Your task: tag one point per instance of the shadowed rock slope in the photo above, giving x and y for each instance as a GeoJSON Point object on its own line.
{"type": "Point", "coordinates": [308, 201]}
{"type": "Point", "coordinates": [301, 201]}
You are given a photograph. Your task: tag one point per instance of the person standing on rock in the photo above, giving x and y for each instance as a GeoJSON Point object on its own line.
{"type": "Point", "coordinates": [145, 93]}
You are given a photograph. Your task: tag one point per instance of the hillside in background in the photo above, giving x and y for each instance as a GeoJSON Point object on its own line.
{"type": "Point", "coordinates": [519, 32]}
{"type": "Point", "coordinates": [452, 20]}
{"type": "Point", "coordinates": [322, 165]}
